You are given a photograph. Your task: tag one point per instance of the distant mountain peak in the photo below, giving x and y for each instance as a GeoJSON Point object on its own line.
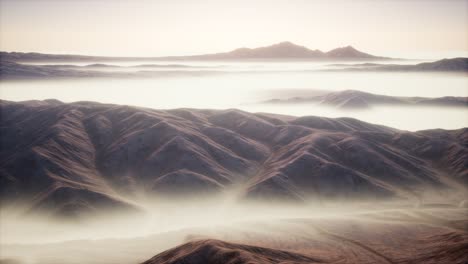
{"type": "Point", "coordinates": [349, 52]}
{"type": "Point", "coordinates": [349, 47]}
{"type": "Point", "coordinates": [286, 44]}
{"type": "Point", "coordinates": [280, 50]}
{"type": "Point", "coordinates": [288, 49]}
{"type": "Point", "coordinates": [285, 49]}
{"type": "Point", "coordinates": [278, 44]}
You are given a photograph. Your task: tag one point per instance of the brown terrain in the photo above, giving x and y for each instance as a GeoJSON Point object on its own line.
{"type": "Point", "coordinates": [219, 252]}
{"type": "Point", "coordinates": [394, 236]}
{"type": "Point", "coordinates": [447, 248]}
{"type": "Point", "coordinates": [84, 156]}
{"type": "Point", "coordinates": [69, 159]}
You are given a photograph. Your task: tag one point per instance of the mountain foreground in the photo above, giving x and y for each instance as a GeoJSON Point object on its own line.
{"type": "Point", "coordinates": [85, 156]}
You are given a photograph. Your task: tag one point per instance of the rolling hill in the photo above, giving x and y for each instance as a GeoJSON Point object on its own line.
{"type": "Point", "coordinates": [220, 252]}
{"type": "Point", "coordinates": [84, 156]}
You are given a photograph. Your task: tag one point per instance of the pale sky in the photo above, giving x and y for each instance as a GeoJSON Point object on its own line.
{"type": "Point", "coordinates": [405, 28]}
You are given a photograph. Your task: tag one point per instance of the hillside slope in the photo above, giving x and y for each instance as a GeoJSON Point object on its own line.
{"type": "Point", "coordinates": [220, 252]}
{"type": "Point", "coordinates": [86, 155]}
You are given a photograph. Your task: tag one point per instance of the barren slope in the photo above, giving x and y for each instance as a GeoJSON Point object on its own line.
{"type": "Point", "coordinates": [82, 155]}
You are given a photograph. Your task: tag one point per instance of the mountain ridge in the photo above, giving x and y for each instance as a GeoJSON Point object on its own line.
{"type": "Point", "coordinates": [86, 155]}
{"type": "Point", "coordinates": [458, 64]}
{"type": "Point", "coordinates": [355, 99]}
{"type": "Point", "coordinates": [282, 50]}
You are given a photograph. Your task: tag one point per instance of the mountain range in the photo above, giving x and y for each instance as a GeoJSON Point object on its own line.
{"type": "Point", "coordinates": [80, 157]}
{"type": "Point", "coordinates": [445, 65]}
{"type": "Point", "coordinates": [282, 50]}
{"type": "Point", "coordinates": [287, 50]}
{"type": "Point", "coordinates": [352, 99]}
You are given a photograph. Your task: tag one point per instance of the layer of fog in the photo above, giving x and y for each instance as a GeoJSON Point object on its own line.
{"type": "Point", "coordinates": [20, 226]}
{"type": "Point", "coordinates": [110, 237]}
{"type": "Point", "coordinates": [157, 214]}
{"type": "Point", "coordinates": [240, 90]}
{"type": "Point", "coordinates": [258, 65]}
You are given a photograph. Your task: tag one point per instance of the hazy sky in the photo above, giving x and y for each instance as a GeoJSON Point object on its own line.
{"type": "Point", "coordinates": [409, 28]}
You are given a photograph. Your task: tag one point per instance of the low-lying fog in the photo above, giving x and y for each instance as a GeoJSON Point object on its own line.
{"type": "Point", "coordinates": [224, 85]}
{"type": "Point", "coordinates": [160, 217]}
{"type": "Point", "coordinates": [116, 237]}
